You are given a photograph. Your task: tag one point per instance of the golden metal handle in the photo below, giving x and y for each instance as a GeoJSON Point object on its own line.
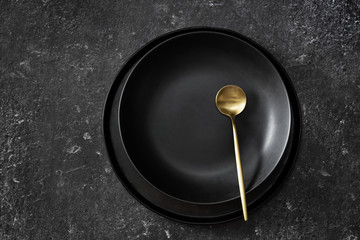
{"type": "Point", "coordinates": [239, 170]}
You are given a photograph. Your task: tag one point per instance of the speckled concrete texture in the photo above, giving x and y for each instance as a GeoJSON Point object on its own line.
{"type": "Point", "coordinates": [59, 58]}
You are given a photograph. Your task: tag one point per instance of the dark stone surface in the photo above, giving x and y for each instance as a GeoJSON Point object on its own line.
{"type": "Point", "coordinates": [59, 58]}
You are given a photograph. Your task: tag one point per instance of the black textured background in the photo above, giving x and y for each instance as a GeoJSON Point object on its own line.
{"type": "Point", "coordinates": [59, 58]}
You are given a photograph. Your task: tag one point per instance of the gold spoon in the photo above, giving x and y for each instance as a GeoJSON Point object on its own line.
{"type": "Point", "coordinates": [230, 101]}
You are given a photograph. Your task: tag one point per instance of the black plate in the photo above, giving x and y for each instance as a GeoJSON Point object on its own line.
{"type": "Point", "coordinates": [170, 146]}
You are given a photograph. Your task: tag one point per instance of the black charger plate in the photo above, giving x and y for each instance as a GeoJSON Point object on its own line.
{"type": "Point", "coordinates": [170, 146]}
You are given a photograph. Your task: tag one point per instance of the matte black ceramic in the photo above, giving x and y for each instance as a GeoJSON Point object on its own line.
{"type": "Point", "coordinates": [171, 147]}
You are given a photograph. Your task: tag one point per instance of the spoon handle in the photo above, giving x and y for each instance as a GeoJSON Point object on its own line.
{"type": "Point", "coordinates": [239, 170]}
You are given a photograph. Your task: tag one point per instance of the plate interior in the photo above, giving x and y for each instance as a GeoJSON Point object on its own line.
{"type": "Point", "coordinates": [173, 132]}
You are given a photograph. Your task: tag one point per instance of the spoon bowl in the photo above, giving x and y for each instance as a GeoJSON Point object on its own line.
{"type": "Point", "coordinates": [231, 100]}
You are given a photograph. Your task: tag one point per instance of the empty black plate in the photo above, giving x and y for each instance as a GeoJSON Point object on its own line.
{"type": "Point", "coordinates": [171, 147]}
